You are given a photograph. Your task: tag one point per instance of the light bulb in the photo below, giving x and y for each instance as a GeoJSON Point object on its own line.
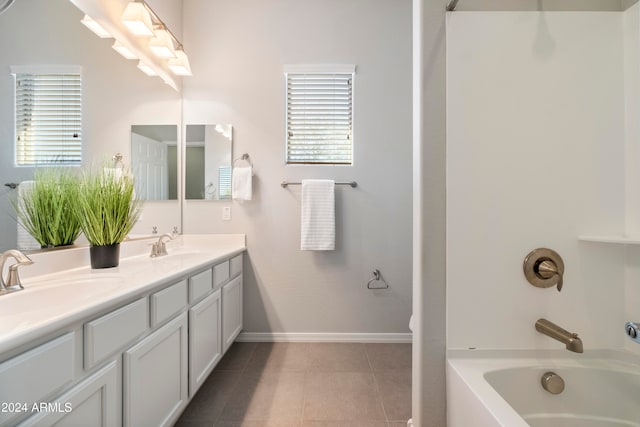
{"type": "Point", "coordinates": [95, 27]}
{"type": "Point", "coordinates": [137, 19]}
{"type": "Point", "coordinates": [180, 65]}
{"type": "Point", "coordinates": [123, 50]}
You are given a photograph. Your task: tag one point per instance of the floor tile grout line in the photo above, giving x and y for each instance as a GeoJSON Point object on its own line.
{"type": "Point", "coordinates": [366, 352]}
{"type": "Point", "coordinates": [375, 381]}
{"type": "Point", "coordinates": [233, 389]}
{"type": "Point", "coordinates": [307, 370]}
{"type": "Point", "coordinates": [384, 410]}
{"type": "Point", "coordinates": [304, 397]}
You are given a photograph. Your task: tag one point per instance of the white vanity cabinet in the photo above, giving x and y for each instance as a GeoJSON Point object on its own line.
{"type": "Point", "coordinates": [94, 402]}
{"type": "Point", "coordinates": [232, 303]}
{"type": "Point", "coordinates": [35, 376]}
{"type": "Point", "coordinates": [205, 339]}
{"type": "Point", "coordinates": [135, 364]}
{"type": "Point", "coordinates": [155, 377]}
{"type": "Point", "coordinates": [231, 311]}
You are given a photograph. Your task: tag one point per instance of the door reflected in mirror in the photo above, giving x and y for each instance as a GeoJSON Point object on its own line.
{"type": "Point", "coordinates": [154, 161]}
{"type": "Point", "coordinates": [208, 154]}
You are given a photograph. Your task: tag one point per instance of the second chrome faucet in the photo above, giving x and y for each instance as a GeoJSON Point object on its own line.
{"type": "Point", "coordinates": [569, 339]}
{"type": "Point", "coordinates": [159, 248]}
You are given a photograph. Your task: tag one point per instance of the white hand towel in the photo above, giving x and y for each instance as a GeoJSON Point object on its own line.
{"type": "Point", "coordinates": [241, 183]}
{"type": "Point", "coordinates": [318, 221]}
{"type": "Point", "coordinates": [25, 241]}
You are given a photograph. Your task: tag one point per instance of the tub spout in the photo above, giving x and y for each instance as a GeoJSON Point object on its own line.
{"type": "Point", "coordinates": [569, 339]}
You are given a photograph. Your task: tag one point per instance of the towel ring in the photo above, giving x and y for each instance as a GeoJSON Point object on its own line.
{"type": "Point", "coordinates": [208, 189]}
{"type": "Point", "coordinates": [377, 277]}
{"type": "Point", "coordinates": [245, 157]}
{"type": "Point", "coordinates": [117, 161]}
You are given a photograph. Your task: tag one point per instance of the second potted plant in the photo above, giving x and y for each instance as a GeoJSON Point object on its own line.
{"type": "Point", "coordinates": [44, 207]}
{"type": "Point", "coordinates": [107, 209]}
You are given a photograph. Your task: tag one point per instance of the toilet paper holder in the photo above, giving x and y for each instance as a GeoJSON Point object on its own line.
{"type": "Point", "coordinates": [377, 277]}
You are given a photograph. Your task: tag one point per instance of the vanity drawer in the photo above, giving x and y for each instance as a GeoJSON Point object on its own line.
{"type": "Point", "coordinates": [168, 302]}
{"type": "Point", "coordinates": [220, 274]}
{"type": "Point", "coordinates": [199, 285]}
{"type": "Point", "coordinates": [109, 333]}
{"type": "Point", "coordinates": [235, 266]}
{"type": "Point", "coordinates": [36, 375]}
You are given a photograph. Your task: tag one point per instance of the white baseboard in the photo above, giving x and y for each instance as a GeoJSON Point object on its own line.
{"type": "Point", "coordinates": [322, 337]}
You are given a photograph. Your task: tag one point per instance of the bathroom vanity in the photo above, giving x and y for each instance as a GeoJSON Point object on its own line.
{"type": "Point", "coordinates": [124, 346]}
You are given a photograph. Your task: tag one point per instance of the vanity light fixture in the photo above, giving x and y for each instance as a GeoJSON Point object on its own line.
{"type": "Point", "coordinates": [95, 27]}
{"type": "Point", "coordinates": [123, 50]}
{"type": "Point", "coordinates": [162, 43]}
{"type": "Point", "coordinates": [180, 65]}
{"type": "Point", "coordinates": [146, 69]}
{"type": "Point", "coordinates": [148, 39]}
{"type": "Point", "coordinates": [137, 18]}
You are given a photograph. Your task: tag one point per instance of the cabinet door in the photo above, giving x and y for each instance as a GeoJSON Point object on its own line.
{"type": "Point", "coordinates": [231, 311]}
{"type": "Point", "coordinates": [155, 376]}
{"type": "Point", "coordinates": [94, 402]}
{"type": "Point", "coordinates": [205, 339]}
{"type": "Point", "coordinates": [35, 376]}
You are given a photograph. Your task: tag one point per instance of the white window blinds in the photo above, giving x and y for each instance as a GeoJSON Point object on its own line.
{"type": "Point", "coordinates": [320, 117]}
{"type": "Point", "coordinates": [224, 181]}
{"type": "Point", "coordinates": [48, 119]}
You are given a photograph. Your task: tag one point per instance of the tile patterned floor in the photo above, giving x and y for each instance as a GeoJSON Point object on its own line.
{"type": "Point", "coordinates": [306, 385]}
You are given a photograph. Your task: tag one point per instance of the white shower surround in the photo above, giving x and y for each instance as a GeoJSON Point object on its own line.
{"type": "Point", "coordinates": [535, 157]}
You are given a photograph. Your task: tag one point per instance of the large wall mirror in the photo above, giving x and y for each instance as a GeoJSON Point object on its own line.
{"type": "Point", "coordinates": [154, 161]}
{"type": "Point", "coordinates": [208, 154]}
{"type": "Point", "coordinates": [115, 95]}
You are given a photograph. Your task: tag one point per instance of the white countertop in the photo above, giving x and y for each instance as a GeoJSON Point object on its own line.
{"type": "Point", "coordinates": [61, 288]}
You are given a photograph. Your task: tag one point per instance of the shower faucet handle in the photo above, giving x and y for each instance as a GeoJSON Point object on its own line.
{"type": "Point", "coordinates": [547, 269]}
{"type": "Point", "coordinates": [544, 268]}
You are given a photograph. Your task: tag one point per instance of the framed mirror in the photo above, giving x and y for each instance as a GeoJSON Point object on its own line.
{"type": "Point", "coordinates": [208, 154]}
{"type": "Point", "coordinates": [154, 161]}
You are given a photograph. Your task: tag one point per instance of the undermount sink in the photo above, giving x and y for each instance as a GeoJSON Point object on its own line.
{"type": "Point", "coordinates": [90, 279]}
{"type": "Point", "coordinates": [41, 297]}
{"type": "Point", "coordinates": [178, 252]}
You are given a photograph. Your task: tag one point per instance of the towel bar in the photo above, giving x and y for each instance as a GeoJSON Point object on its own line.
{"type": "Point", "coordinates": [353, 184]}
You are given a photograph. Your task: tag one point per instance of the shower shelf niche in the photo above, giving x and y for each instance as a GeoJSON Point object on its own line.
{"type": "Point", "coordinates": [618, 239]}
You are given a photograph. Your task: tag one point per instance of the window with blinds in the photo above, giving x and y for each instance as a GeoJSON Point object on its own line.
{"type": "Point", "coordinates": [224, 181]}
{"type": "Point", "coordinates": [320, 116]}
{"type": "Point", "coordinates": [48, 119]}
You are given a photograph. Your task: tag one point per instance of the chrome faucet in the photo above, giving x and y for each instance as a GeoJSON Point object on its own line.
{"type": "Point", "coordinates": [13, 280]}
{"type": "Point", "coordinates": [569, 339]}
{"type": "Point", "coordinates": [159, 248]}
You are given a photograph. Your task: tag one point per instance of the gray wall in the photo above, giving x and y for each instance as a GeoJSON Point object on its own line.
{"type": "Point", "coordinates": [194, 178]}
{"type": "Point", "coordinates": [172, 161]}
{"type": "Point", "coordinates": [238, 51]}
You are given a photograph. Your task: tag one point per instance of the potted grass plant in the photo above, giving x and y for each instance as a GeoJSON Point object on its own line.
{"type": "Point", "coordinates": [43, 206]}
{"type": "Point", "coordinates": [107, 209]}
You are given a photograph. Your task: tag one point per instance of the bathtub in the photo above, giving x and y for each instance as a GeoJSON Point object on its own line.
{"type": "Point", "coordinates": [502, 389]}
